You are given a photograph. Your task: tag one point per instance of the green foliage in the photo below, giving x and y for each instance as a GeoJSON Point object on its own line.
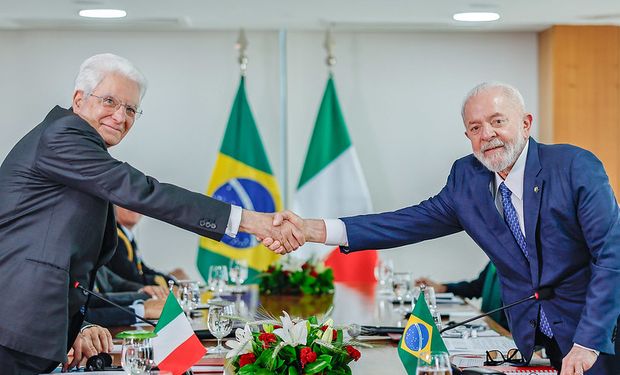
{"type": "Point", "coordinates": [310, 278]}
{"type": "Point", "coordinates": [315, 357]}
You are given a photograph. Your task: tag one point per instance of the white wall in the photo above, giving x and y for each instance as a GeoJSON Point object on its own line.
{"type": "Point", "coordinates": [400, 93]}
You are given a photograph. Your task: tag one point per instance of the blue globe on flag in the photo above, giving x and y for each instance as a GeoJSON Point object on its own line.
{"type": "Point", "coordinates": [417, 336]}
{"type": "Point", "coordinates": [248, 194]}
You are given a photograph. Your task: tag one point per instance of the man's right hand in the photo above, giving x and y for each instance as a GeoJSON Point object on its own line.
{"type": "Point", "coordinates": [155, 291]}
{"type": "Point", "coordinates": [90, 341]}
{"type": "Point", "coordinates": [439, 288]}
{"type": "Point", "coordinates": [153, 308]}
{"type": "Point", "coordinates": [313, 229]}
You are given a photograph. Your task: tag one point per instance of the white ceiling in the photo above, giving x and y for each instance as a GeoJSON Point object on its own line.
{"type": "Point", "coordinates": [530, 15]}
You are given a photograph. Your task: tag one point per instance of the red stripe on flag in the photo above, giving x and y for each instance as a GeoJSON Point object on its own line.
{"type": "Point", "coordinates": [354, 268]}
{"type": "Point", "coordinates": [184, 356]}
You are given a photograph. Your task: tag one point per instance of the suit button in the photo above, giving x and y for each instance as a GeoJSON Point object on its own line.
{"type": "Point", "coordinates": [202, 223]}
{"type": "Point", "coordinates": [533, 323]}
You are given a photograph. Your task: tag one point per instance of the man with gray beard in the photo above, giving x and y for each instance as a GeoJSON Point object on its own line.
{"type": "Point", "coordinates": [545, 215]}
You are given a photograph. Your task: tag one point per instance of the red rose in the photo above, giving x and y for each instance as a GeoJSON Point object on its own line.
{"type": "Point", "coordinates": [247, 359]}
{"type": "Point", "coordinates": [267, 339]}
{"type": "Point", "coordinates": [313, 273]}
{"type": "Point", "coordinates": [305, 266]}
{"type": "Point", "coordinates": [306, 355]}
{"type": "Point", "coordinates": [353, 353]}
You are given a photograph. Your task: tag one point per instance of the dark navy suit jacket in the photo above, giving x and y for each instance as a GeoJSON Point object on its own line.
{"type": "Point", "coordinates": [572, 228]}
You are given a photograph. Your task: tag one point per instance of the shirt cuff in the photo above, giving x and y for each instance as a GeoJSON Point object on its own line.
{"type": "Point", "coordinates": [138, 309]}
{"type": "Point", "coordinates": [234, 220]}
{"type": "Point", "coordinates": [585, 347]}
{"type": "Point", "coordinates": [335, 233]}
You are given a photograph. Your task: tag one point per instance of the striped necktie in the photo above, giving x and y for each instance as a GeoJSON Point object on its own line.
{"type": "Point", "coordinates": [512, 220]}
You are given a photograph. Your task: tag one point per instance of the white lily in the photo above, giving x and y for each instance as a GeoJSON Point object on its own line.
{"type": "Point", "coordinates": [328, 335]}
{"type": "Point", "coordinates": [292, 333]}
{"type": "Point", "coordinates": [242, 344]}
{"type": "Point", "coordinates": [291, 264]}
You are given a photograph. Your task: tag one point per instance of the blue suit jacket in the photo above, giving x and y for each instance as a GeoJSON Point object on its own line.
{"type": "Point", "coordinates": [572, 230]}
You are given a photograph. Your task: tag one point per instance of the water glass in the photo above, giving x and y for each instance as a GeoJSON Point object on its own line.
{"type": "Point", "coordinates": [189, 295]}
{"type": "Point", "coordinates": [137, 352]}
{"type": "Point", "coordinates": [437, 318]}
{"type": "Point", "coordinates": [401, 282]}
{"type": "Point", "coordinates": [220, 323]}
{"type": "Point", "coordinates": [384, 270]}
{"type": "Point", "coordinates": [429, 296]}
{"type": "Point", "coordinates": [218, 278]}
{"type": "Point", "coordinates": [434, 363]}
{"type": "Point", "coordinates": [238, 271]}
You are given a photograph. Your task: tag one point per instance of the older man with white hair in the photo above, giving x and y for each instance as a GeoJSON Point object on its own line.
{"type": "Point", "coordinates": [57, 226]}
{"type": "Point", "coordinates": [545, 215]}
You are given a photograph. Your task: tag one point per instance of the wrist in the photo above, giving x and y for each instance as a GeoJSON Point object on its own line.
{"type": "Point", "coordinates": [247, 218]}
{"type": "Point", "coordinates": [315, 230]}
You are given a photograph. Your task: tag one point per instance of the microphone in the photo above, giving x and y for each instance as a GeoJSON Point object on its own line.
{"type": "Point", "coordinates": [541, 294]}
{"type": "Point", "coordinates": [77, 285]}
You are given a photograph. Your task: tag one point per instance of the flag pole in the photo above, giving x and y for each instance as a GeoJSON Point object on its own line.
{"type": "Point", "coordinates": [242, 46]}
{"type": "Point", "coordinates": [329, 44]}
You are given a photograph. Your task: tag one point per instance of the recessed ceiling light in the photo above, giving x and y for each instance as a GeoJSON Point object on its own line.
{"type": "Point", "coordinates": [476, 16]}
{"type": "Point", "coordinates": [103, 13]}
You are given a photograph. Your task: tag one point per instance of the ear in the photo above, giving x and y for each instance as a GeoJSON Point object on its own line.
{"type": "Point", "coordinates": [78, 99]}
{"type": "Point", "coordinates": [466, 135]}
{"type": "Point", "coordinates": [527, 123]}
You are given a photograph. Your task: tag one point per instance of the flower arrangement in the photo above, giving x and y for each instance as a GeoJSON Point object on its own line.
{"type": "Point", "coordinates": [290, 276]}
{"type": "Point", "coordinates": [292, 347]}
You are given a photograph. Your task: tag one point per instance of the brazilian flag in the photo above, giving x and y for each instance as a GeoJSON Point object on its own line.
{"type": "Point", "coordinates": [421, 336]}
{"type": "Point", "coordinates": [243, 177]}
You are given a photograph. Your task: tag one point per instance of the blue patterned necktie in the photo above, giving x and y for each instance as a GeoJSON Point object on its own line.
{"type": "Point", "coordinates": [512, 220]}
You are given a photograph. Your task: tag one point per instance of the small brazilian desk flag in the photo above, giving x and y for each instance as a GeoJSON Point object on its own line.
{"type": "Point", "coordinates": [242, 176]}
{"type": "Point", "coordinates": [420, 336]}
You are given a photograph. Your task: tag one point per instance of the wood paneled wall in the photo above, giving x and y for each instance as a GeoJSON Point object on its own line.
{"type": "Point", "coordinates": [579, 83]}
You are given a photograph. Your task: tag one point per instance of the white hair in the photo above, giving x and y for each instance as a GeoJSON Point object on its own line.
{"type": "Point", "coordinates": [509, 91]}
{"type": "Point", "coordinates": [95, 68]}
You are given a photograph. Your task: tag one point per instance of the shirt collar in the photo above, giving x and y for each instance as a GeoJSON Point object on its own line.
{"type": "Point", "coordinates": [514, 180]}
{"type": "Point", "coordinates": [127, 232]}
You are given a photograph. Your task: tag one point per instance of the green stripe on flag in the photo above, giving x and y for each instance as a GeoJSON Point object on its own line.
{"type": "Point", "coordinates": [242, 139]}
{"type": "Point", "coordinates": [171, 310]}
{"type": "Point", "coordinates": [208, 258]}
{"type": "Point", "coordinates": [329, 129]}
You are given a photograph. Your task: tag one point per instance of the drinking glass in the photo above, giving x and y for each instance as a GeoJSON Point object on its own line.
{"type": "Point", "coordinates": [220, 323]}
{"type": "Point", "coordinates": [429, 296]}
{"type": "Point", "coordinates": [238, 272]}
{"type": "Point", "coordinates": [189, 295]}
{"type": "Point", "coordinates": [437, 318]}
{"type": "Point", "coordinates": [218, 278]}
{"type": "Point", "coordinates": [401, 282]}
{"type": "Point", "coordinates": [434, 363]}
{"type": "Point", "coordinates": [137, 352]}
{"type": "Point", "coordinates": [384, 271]}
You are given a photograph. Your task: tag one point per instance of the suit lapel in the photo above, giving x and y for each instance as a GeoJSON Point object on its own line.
{"type": "Point", "coordinates": [494, 221]}
{"type": "Point", "coordinates": [533, 185]}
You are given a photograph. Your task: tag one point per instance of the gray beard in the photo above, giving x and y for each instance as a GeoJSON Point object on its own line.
{"type": "Point", "coordinates": [506, 159]}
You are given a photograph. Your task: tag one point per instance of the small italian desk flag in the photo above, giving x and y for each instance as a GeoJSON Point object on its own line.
{"type": "Point", "coordinates": [420, 337]}
{"type": "Point", "coordinates": [176, 347]}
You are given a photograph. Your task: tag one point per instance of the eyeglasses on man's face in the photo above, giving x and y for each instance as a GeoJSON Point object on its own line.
{"type": "Point", "coordinates": [112, 103]}
{"type": "Point", "coordinates": [496, 358]}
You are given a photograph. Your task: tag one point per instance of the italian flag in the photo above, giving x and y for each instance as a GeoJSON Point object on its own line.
{"type": "Point", "coordinates": [332, 185]}
{"type": "Point", "coordinates": [176, 347]}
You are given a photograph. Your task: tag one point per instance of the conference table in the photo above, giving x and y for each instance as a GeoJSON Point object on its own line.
{"type": "Point", "coordinates": [352, 304]}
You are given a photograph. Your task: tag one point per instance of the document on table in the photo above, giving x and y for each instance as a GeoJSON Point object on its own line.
{"type": "Point", "coordinates": [478, 345]}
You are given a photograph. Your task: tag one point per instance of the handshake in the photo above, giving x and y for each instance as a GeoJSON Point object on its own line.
{"type": "Point", "coordinates": [282, 232]}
